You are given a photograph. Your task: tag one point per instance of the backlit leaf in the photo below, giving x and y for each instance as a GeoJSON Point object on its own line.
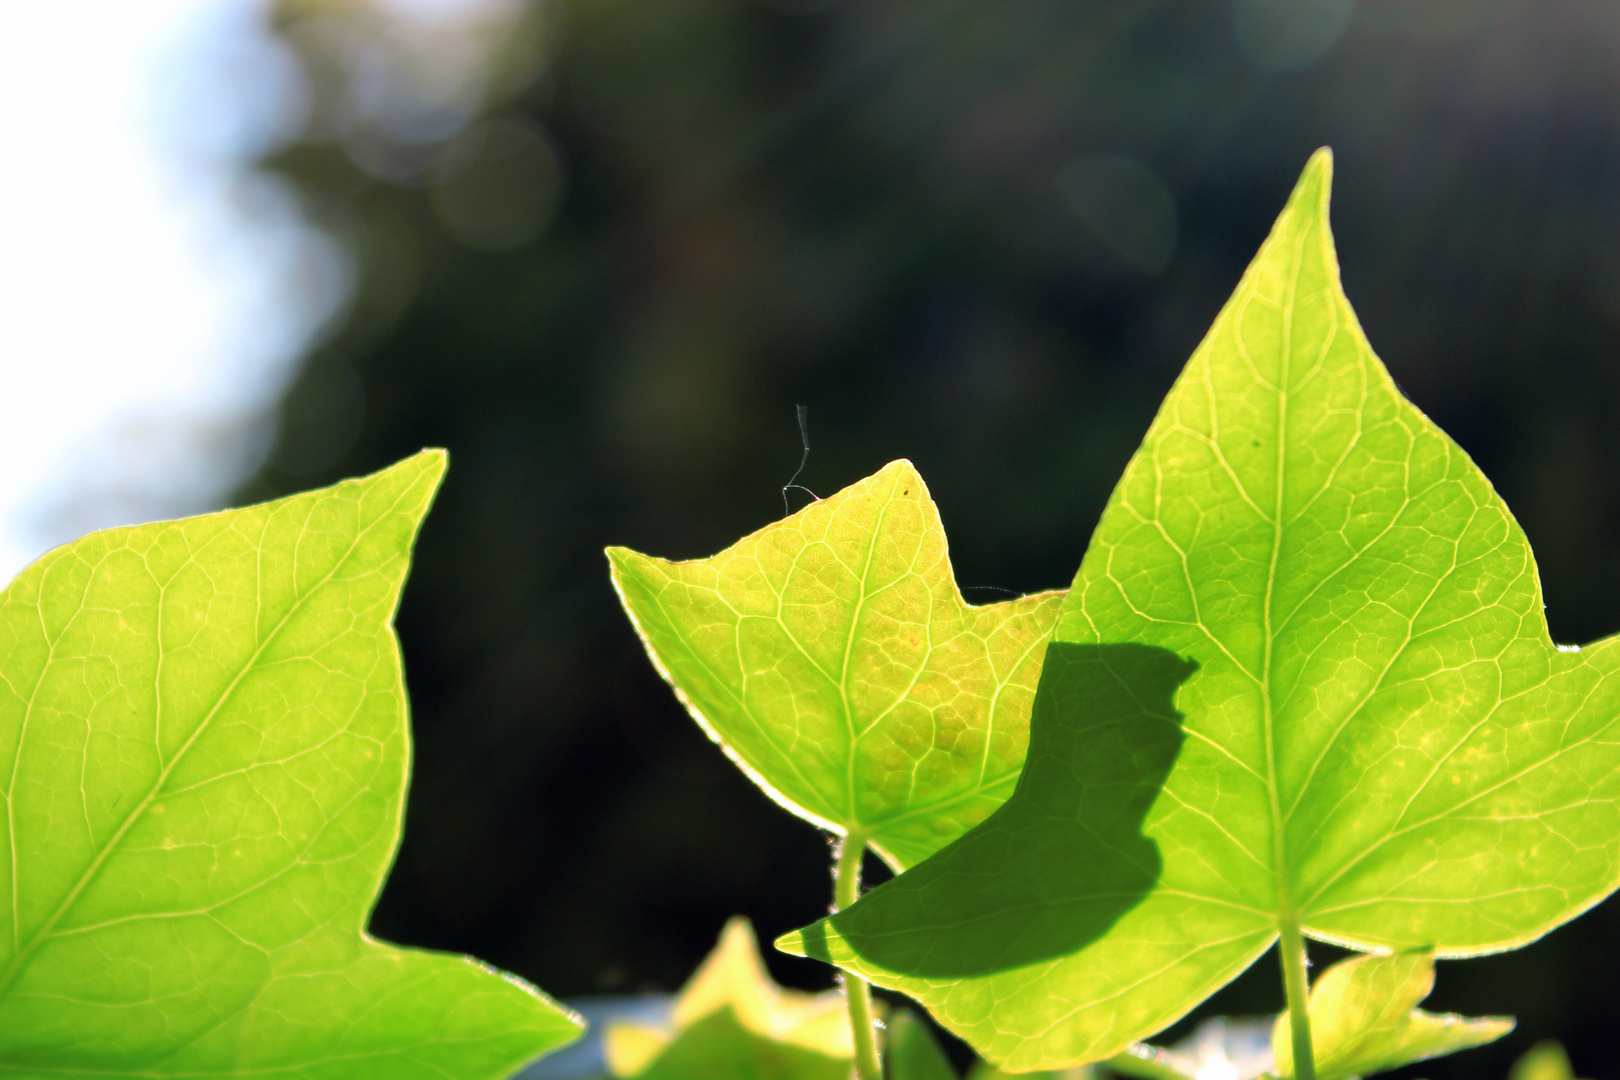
{"type": "Point", "coordinates": [1364, 1019]}
{"type": "Point", "coordinates": [203, 757]}
{"type": "Point", "coordinates": [834, 659]}
{"type": "Point", "coordinates": [731, 1021]}
{"type": "Point", "coordinates": [1302, 678]}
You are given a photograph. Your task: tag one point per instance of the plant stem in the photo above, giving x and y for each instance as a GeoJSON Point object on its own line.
{"type": "Point", "coordinates": [846, 888]}
{"type": "Point", "coordinates": [1291, 949]}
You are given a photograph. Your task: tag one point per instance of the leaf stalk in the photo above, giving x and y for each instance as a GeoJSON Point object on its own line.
{"type": "Point", "coordinates": [1296, 982]}
{"type": "Point", "coordinates": [846, 890]}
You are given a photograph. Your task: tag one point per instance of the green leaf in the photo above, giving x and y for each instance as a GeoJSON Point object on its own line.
{"type": "Point", "coordinates": [719, 1047]}
{"type": "Point", "coordinates": [204, 753]}
{"type": "Point", "coordinates": [1364, 1019]}
{"type": "Point", "coordinates": [730, 1020]}
{"type": "Point", "coordinates": [1302, 680]}
{"type": "Point", "coordinates": [984, 1071]}
{"type": "Point", "coordinates": [1544, 1061]}
{"type": "Point", "coordinates": [833, 658]}
{"type": "Point", "coordinates": [911, 1052]}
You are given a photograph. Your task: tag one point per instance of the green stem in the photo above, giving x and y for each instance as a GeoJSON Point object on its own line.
{"type": "Point", "coordinates": [846, 888]}
{"type": "Point", "coordinates": [1291, 948]}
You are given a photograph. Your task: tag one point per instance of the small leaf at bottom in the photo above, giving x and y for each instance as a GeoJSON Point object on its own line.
{"type": "Point", "coordinates": [1363, 1019]}
{"type": "Point", "coordinates": [730, 1020]}
{"type": "Point", "coordinates": [1546, 1060]}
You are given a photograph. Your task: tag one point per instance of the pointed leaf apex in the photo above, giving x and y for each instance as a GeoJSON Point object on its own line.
{"type": "Point", "coordinates": [1312, 193]}
{"type": "Point", "coordinates": [437, 456]}
{"type": "Point", "coordinates": [619, 556]}
{"type": "Point", "coordinates": [431, 462]}
{"type": "Point", "coordinates": [791, 943]}
{"type": "Point", "coordinates": [420, 475]}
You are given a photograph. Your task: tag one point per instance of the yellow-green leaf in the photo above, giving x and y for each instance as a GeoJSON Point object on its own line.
{"type": "Point", "coordinates": [1364, 1019]}
{"type": "Point", "coordinates": [203, 760]}
{"type": "Point", "coordinates": [731, 1020]}
{"type": "Point", "coordinates": [1302, 679]}
{"type": "Point", "coordinates": [833, 657]}
{"type": "Point", "coordinates": [1544, 1061]}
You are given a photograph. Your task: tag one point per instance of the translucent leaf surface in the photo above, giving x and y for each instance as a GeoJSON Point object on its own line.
{"type": "Point", "coordinates": [204, 753]}
{"type": "Point", "coordinates": [731, 1020]}
{"type": "Point", "coordinates": [834, 659]}
{"type": "Point", "coordinates": [1302, 680]}
{"type": "Point", "coordinates": [1364, 1019]}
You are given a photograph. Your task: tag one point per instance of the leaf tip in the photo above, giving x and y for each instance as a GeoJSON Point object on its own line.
{"type": "Point", "coordinates": [408, 487]}
{"type": "Point", "coordinates": [435, 456]}
{"type": "Point", "coordinates": [430, 463]}
{"type": "Point", "coordinates": [907, 478]}
{"type": "Point", "coordinates": [1315, 185]}
{"type": "Point", "coordinates": [423, 472]}
{"type": "Point", "coordinates": [626, 563]}
{"type": "Point", "coordinates": [793, 942]}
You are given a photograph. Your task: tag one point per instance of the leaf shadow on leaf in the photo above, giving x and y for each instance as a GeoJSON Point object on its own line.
{"type": "Point", "coordinates": [1065, 857]}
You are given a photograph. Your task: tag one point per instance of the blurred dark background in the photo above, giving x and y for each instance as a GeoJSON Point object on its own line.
{"type": "Point", "coordinates": [983, 236]}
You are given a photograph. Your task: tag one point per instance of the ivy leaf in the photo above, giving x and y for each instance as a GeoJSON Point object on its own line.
{"type": "Point", "coordinates": [204, 753]}
{"type": "Point", "coordinates": [833, 658]}
{"type": "Point", "coordinates": [911, 1053]}
{"type": "Point", "coordinates": [730, 1020]}
{"type": "Point", "coordinates": [1302, 683]}
{"type": "Point", "coordinates": [1364, 1019]}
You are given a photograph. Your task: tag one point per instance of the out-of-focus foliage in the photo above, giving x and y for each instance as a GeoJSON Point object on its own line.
{"type": "Point", "coordinates": [1232, 1048]}
{"type": "Point", "coordinates": [730, 1020]}
{"type": "Point", "coordinates": [985, 1071]}
{"type": "Point", "coordinates": [1546, 1060]}
{"type": "Point", "coordinates": [910, 1052]}
{"type": "Point", "coordinates": [980, 236]}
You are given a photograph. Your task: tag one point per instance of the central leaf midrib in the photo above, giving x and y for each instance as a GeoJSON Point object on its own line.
{"type": "Point", "coordinates": [851, 812]}
{"type": "Point", "coordinates": [1286, 916]}
{"type": "Point", "coordinates": [22, 957]}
